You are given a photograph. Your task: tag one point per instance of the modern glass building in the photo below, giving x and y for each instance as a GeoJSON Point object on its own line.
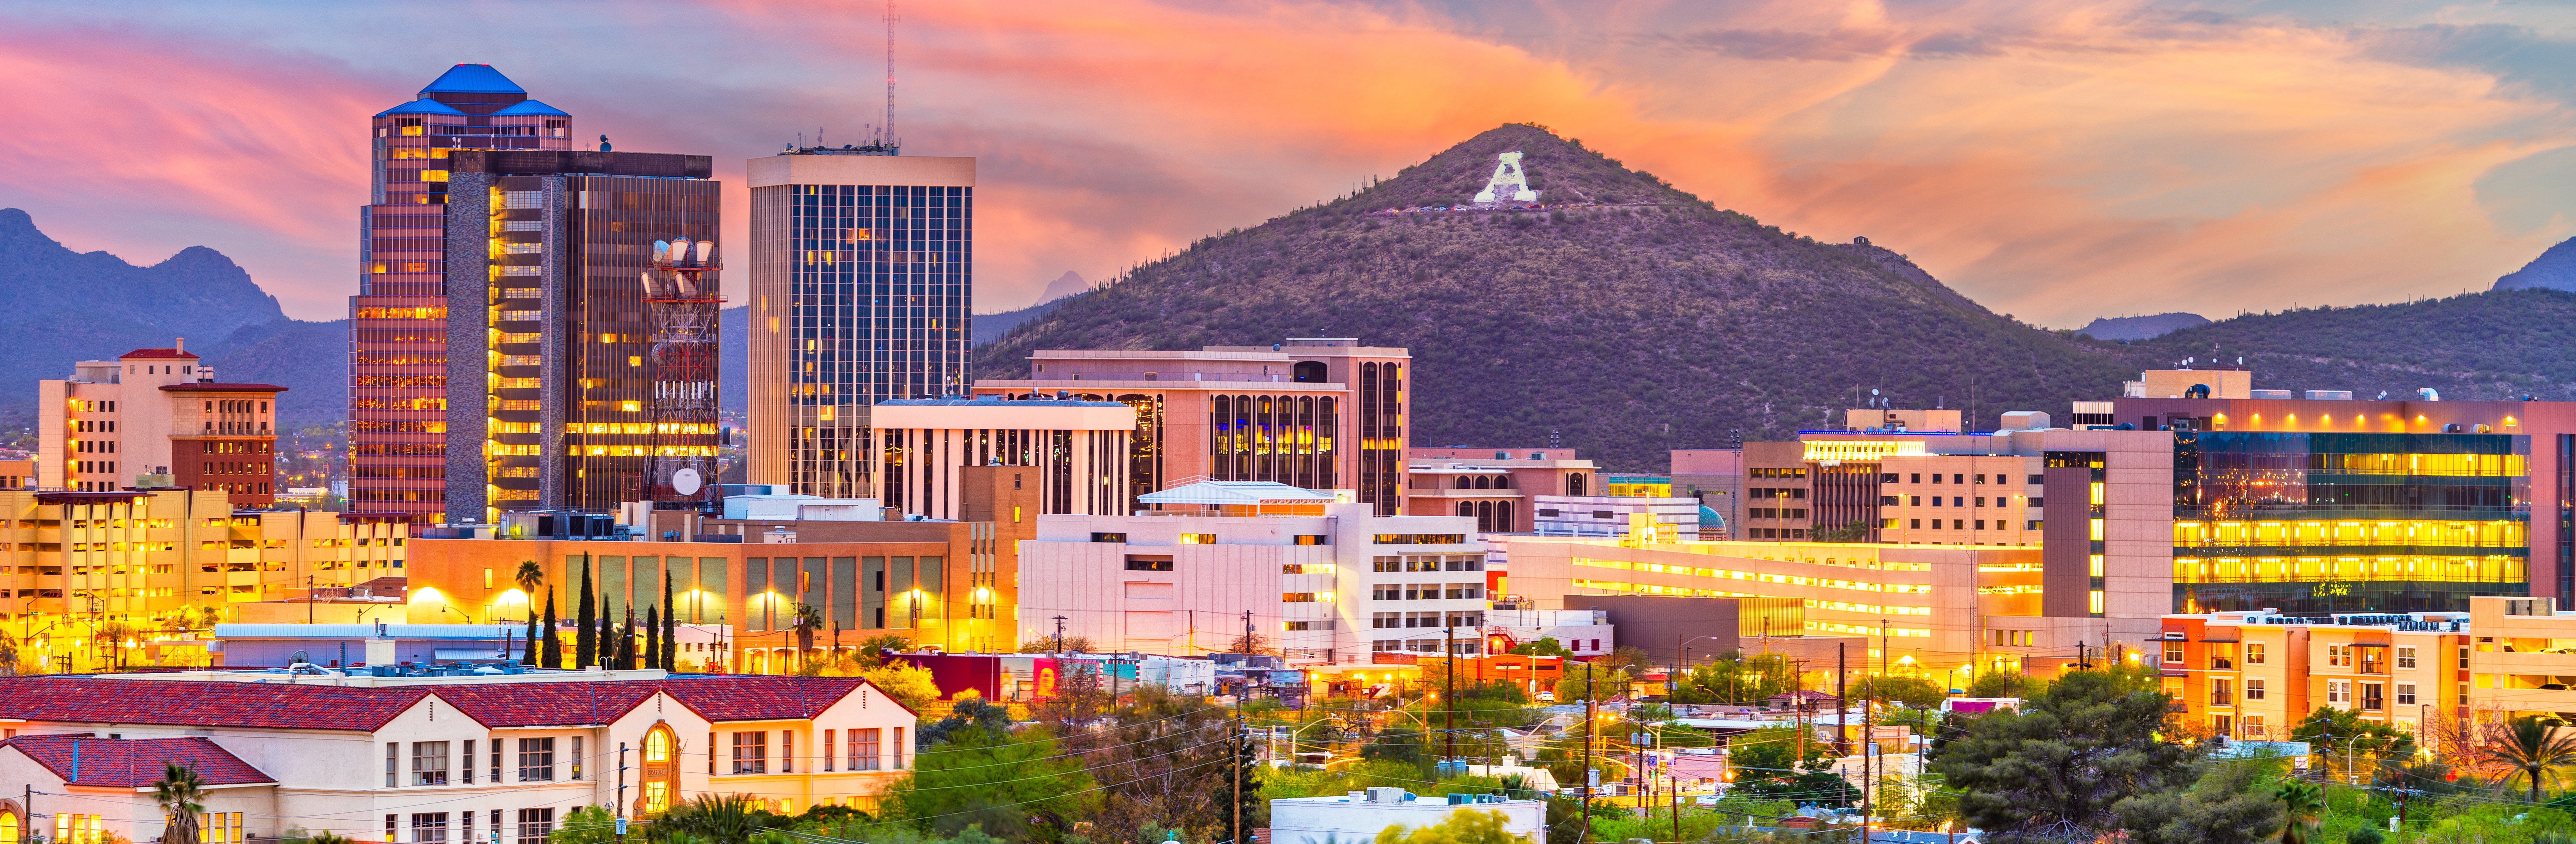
{"type": "Point", "coordinates": [862, 282]}
{"type": "Point", "coordinates": [398, 321]}
{"type": "Point", "coordinates": [2311, 522]}
{"type": "Point", "coordinates": [571, 382]}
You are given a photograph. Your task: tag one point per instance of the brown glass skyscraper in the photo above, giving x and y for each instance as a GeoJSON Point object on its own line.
{"type": "Point", "coordinates": [571, 384]}
{"type": "Point", "coordinates": [398, 322]}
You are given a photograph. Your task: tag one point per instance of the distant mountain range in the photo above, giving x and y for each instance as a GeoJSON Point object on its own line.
{"type": "Point", "coordinates": [2553, 270]}
{"type": "Point", "coordinates": [2140, 327]}
{"type": "Point", "coordinates": [64, 306]}
{"type": "Point", "coordinates": [1637, 320]}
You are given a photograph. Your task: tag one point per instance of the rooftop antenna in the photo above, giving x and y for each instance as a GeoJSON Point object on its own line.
{"type": "Point", "coordinates": [889, 108]}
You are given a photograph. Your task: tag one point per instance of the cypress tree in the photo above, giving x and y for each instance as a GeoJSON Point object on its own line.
{"type": "Point", "coordinates": [585, 646]}
{"type": "Point", "coordinates": [652, 637]}
{"type": "Point", "coordinates": [607, 636]}
{"type": "Point", "coordinates": [530, 659]}
{"type": "Point", "coordinates": [670, 627]}
{"type": "Point", "coordinates": [554, 644]}
{"type": "Point", "coordinates": [626, 641]}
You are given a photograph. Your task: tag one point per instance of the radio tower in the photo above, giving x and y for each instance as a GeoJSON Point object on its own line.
{"type": "Point", "coordinates": [680, 294]}
{"type": "Point", "coordinates": [889, 110]}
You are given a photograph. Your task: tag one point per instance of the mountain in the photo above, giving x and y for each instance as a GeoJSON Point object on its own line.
{"type": "Point", "coordinates": [1634, 320]}
{"type": "Point", "coordinates": [2554, 269]}
{"type": "Point", "coordinates": [309, 359]}
{"type": "Point", "coordinates": [990, 327]}
{"type": "Point", "coordinates": [1068, 284]}
{"type": "Point", "coordinates": [2493, 345]}
{"type": "Point", "coordinates": [2140, 327]}
{"type": "Point", "coordinates": [66, 306]}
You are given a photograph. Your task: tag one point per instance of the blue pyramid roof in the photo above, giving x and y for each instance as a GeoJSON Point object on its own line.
{"type": "Point", "coordinates": [472, 78]}
{"type": "Point", "coordinates": [420, 106]}
{"type": "Point", "coordinates": [524, 108]}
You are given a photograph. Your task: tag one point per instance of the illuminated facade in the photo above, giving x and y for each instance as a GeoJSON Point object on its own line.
{"type": "Point", "coordinates": [157, 418]}
{"type": "Point", "coordinates": [1076, 452]}
{"type": "Point", "coordinates": [398, 321]}
{"type": "Point", "coordinates": [1320, 413]}
{"type": "Point", "coordinates": [160, 560]}
{"type": "Point", "coordinates": [561, 363]}
{"type": "Point", "coordinates": [862, 286]}
{"type": "Point", "coordinates": [1494, 485]}
{"type": "Point", "coordinates": [2321, 505]}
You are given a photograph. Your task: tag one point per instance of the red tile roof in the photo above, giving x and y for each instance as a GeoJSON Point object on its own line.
{"type": "Point", "coordinates": [192, 703]}
{"type": "Point", "coordinates": [133, 763]}
{"type": "Point", "coordinates": [156, 353]}
{"type": "Point", "coordinates": [716, 697]}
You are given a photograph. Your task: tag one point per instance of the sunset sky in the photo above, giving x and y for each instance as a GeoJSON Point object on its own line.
{"type": "Point", "coordinates": [2055, 160]}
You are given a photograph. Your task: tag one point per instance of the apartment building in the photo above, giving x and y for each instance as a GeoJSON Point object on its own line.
{"type": "Point", "coordinates": [157, 417]}
{"type": "Point", "coordinates": [1311, 412]}
{"type": "Point", "coordinates": [1319, 577]}
{"type": "Point", "coordinates": [431, 758]}
{"type": "Point", "coordinates": [1492, 484]}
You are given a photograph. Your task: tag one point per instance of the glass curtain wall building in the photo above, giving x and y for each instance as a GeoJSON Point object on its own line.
{"type": "Point", "coordinates": [556, 397]}
{"type": "Point", "coordinates": [2347, 522]}
{"type": "Point", "coordinates": [398, 320]}
{"type": "Point", "coordinates": [861, 288]}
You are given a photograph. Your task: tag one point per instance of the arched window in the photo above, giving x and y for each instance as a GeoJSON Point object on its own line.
{"type": "Point", "coordinates": [1466, 508]}
{"type": "Point", "coordinates": [657, 746]}
{"type": "Point", "coordinates": [1502, 482]}
{"type": "Point", "coordinates": [1310, 372]}
{"type": "Point", "coordinates": [1483, 482]}
{"type": "Point", "coordinates": [1574, 484]}
{"type": "Point", "coordinates": [1503, 517]}
{"type": "Point", "coordinates": [1484, 515]}
{"type": "Point", "coordinates": [1463, 484]}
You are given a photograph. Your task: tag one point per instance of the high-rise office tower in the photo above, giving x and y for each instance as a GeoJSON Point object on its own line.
{"type": "Point", "coordinates": [398, 326]}
{"type": "Point", "coordinates": [581, 330]}
{"type": "Point", "coordinates": [862, 279]}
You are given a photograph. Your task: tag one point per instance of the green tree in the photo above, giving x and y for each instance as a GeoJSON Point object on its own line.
{"type": "Point", "coordinates": [1736, 678]}
{"type": "Point", "coordinates": [1999, 684]}
{"type": "Point", "coordinates": [585, 637]}
{"type": "Point", "coordinates": [528, 577]}
{"type": "Point", "coordinates": [552, 655]}
{"type": "Point", "coordinates": [182, 795]}
{"type": "Point", "coordinates": [2302, 805]}
{"type": "Point", "coordinates": [2530, 748]}
{"type": "Point", "coordinates": [1466, 826]}
{"type": "Point", "coordinates": [1591, 681]}
{"type": "Point", "coordinates": [1787, 763]}
{"type": "Point", "coordinates": [670, 628]}
{"type": "Point", "coordinates": [652, 637]}
{"type": "Point", "coordinates": [1011, 783]}
{"type": "Point", "coordinates": [2053, 770]}
{"type": "Point", "coordinates": [716, 819]}
{"type": "Point", "coordinates": [2349, 745]}
{"type": "Point", "coordinates": [585, 825]}
{"type": "Point", "coordinates": [1911, 691]}
{"type": "Point", "coordinates": [2226, 805]}
{"type": "Point", "coordinates": [1545, 646]}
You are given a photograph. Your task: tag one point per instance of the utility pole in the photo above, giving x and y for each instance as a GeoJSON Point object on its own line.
{"type": "Point", "coordinates": [621, 792]}
{"type": "Point", "coordinates": [1842, 696]}
{"type": "Point", "coordinates": [1866, 741]}
{"type": "Point", "coordinates": [310, 595]}
{"type": "Point", "coordinates": [1234, 779]}
{"type": "Point", "coordinates": [1449, 689]}
{"type": "Point", "coordinates": [1059, 634]}
{"type": "Point", "coordinates": [1248, 642]}
{"type": "Point", "coordinates": [1591, 702]}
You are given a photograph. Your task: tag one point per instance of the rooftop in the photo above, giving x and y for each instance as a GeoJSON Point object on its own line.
{"type": "Point", "coordinates": [221, 387]}
{"type": "Point", "coordinates": [143, 354]}
{"type": "Point", "coordinates": [421, 106]}
{"type": "Point", "coordinates": [1236, 493]}
{"type": "Point", "coordinates": [472, 79]}
{"type": "Point", "coordinates": [86, 759]}
{"type": "Point", "coordinates": [525, 108]}
{"type": "Point", "coordinates": [994, 401]}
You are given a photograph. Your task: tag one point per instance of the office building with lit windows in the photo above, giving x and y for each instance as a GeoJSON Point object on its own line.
{"type": "Point", "coordinates": [398, 320]}
{"type": "Point", "coordinates": [2330, 504]}
{"type": "Point", "coordinates": [1320, 413]}
{"type": "Point", "coordinates": [581, 369]}
{"type": "Point", "coordinates": [862, 286]}
{"type": "Point", "coordinates": [157, 418]}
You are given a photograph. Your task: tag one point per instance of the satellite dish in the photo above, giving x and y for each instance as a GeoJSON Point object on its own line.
{"type": "Point", "coordinates": [680, 251]}
{"type": "Point", "coordinates": [685, 482]}
{"type": "Point", "coordinates": [661, 250]}
{"type": "Point", "coordinates": [706, 253]}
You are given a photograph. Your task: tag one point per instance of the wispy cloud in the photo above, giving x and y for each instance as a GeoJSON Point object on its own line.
{"type": "Point", "coordinates": [2058, 161]}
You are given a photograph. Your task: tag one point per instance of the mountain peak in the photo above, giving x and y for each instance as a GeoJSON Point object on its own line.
{"type": "Point", "coordinates": [2554, 269]}
{"type": "Point", "coordinates": [1561, 170]}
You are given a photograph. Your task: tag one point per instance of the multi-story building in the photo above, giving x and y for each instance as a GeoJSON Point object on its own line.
{"type": "Point", "coordinates": [862, 286]}
{"type": "Point", "coordinates": [1616, 515]}
{"type": "Point", "coordinates": [1715, 476]}
{"type": "Point", "coordinates": [398, 324]}
{"type": "Point", "coordinates": [569, 385]}
{"type": "Point", "coordinates": [1933, 609]}
{"type": "Point", "coordinates": [1321, 580]}
{"type": "Point", "coordinates": [1076, 449]}
{"type": "Point", "coordinates": [947, 584]}
{"type": "Point", "coordinates": [157, 417]}
{"type": "Point", "coordinates": [1317, 413]}
{"type": "Point", "coordinates": [2257, 673]}
{"type": "Point", "coordinates": [162, 560]}
{"type": "Point", "coordinates": [463, 758]}
{"type": "Point", "coordinates": [2327, 504]}
{"type": "Point", "coordinates": [1492, 484]}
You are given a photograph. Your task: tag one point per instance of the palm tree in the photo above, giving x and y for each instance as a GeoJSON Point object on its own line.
{"type": "Point", "coordinates": [182, 796]}
{"type": "Point", "coordinates": [809, 618]}
{"type": "Point", "coordinates": [2529, 748]}
{"type": "Point", "coordinates": [2303, 801]}
{"type": "Point", "coordinates": [327, 837]}
{"type": "Point", "coordinates": [529, 577]}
